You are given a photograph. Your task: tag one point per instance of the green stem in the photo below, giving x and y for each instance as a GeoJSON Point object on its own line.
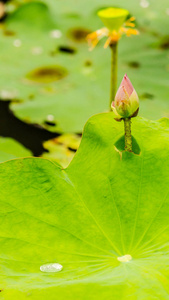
{"type": "Point", "coordinates": [128, 137]}
{"type": "Point", "coordinates": [113, 90]}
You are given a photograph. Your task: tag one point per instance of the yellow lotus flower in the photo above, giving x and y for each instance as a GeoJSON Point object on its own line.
{"type": "Point", "coordinates": [116, 26]}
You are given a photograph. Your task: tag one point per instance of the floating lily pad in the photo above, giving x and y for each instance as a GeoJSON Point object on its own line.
{"type": "Point", "coordinates": [10, 149]}
{"type": "Point", "coordinates": [41, 30]}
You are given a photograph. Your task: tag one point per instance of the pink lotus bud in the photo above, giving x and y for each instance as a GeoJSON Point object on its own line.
{"type": "Point", "coordinates": [126, 104]}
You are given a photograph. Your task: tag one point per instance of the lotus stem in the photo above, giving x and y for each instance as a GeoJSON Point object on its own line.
{"type": "Point", "coordinates": [113, 85]}
{"type": "Point", "coordinates": [128, 137]}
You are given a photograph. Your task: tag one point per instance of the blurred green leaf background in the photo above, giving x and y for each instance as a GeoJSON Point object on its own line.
{"type": "Point", "coordinates": [54, 81]}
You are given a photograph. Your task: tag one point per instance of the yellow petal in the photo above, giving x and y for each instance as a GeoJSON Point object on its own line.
{"type": "Point", "coordinates": [108, 42]}
{"type": "Point", "coordinates": [131, 19]}
{"type": "Point", "coordinates": [94, 37]}
{"type": "Point", "coordinates": [130, 24]}
{"type": "Point", "coordinates": [130, 32]}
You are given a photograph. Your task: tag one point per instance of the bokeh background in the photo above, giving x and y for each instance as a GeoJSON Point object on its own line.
{"type": "Point", "coordinates": [50, 83]}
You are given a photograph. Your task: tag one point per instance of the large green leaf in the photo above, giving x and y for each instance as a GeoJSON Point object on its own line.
{"type": "Point", "coordinates": [105, 205]}
{"type": "Point", "coordinates": [84, 90]}
{"type": "Point", "coordinates": [9, 149]}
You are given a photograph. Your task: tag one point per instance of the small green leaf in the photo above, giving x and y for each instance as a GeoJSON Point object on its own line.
{"type": "Point", "coordinates": [32, 17]}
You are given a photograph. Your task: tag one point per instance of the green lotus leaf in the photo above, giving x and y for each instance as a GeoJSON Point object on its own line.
{"type": "Point", "coordinates": [104, 218]}
{"type": "Point", "coordinates": [10, 149]}
{"type": "Point", "coordinates": [33, 15]}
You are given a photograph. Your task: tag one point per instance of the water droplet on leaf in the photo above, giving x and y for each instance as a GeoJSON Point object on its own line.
{"type": "Point", "coordinates": [55, 34]}
{"type": "Point", "coordinates": [36, 50]}
{"type": "Point", "coordinates": [125, 258]}
{"type": "Point", "coordinates": [17, 43]}
{"type": "Point", "coordinates": [7, 95]}
{"type": "Point", "coordinates": [144, 3]}
{"type": "Point", "coordinates": [51, 268]}
{"type": "Point", "coordinates": [50, 118]}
